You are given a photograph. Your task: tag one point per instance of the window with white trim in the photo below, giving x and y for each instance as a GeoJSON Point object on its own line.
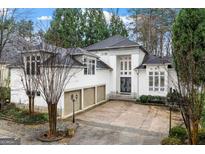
{"type": "Point", "coordinates": [32, 65]}
{"type": "Point", "coordinates": [89, 68]}
{"type": "Point", "coordinates": [156, 81]}
{"type": "Point", "coordinates": [125, 66]}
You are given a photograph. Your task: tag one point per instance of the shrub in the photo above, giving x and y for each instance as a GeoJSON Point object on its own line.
{"type": "Point", "coordinates": [173, 96]}
{"type": "Point", "coordinates": [178, 132]}
{"type": "Point", "coordinates": [144, 98]}
{"type": "Point", "coordinates": [201, 136]}
{"type": "Point", "coordinates": [22, 116]}
{"type": "Point", "coordinates": [152, 99]}
{"type": "Point", "coordinates": [171, 141]}
{"type": "Point", "coordinates": [4, 93]}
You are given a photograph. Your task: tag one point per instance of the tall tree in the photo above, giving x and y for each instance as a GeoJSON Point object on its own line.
{"type": "Point", "coordinates": [189, 57]}
{"type": "Point", "coordinates": [96, 28]}
{"type": "Point", "coordinates": [77, 27]}
{"type": "Point", "coordinates": [152, 28]}
{"type": "Point", "coordinates": [117, 27]}
{"type": "Point", "coordinates": [67, 27]}
{"type": "Point", "coordinates": [25, 28]}
{"type": "Point", "coordinates": [7, 26]}
{"type": "Point", "coordinates": [8, 20]}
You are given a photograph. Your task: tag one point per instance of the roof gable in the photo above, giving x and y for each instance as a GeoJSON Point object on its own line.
{"type": "Point", "coordinates": [114, 41]}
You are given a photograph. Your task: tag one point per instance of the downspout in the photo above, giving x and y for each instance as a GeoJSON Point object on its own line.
{"type": "Point", "coordinates": [137, 83]}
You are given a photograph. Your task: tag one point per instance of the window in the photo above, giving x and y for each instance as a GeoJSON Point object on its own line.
{"type": "Point", "coordinates": [121, 65]}
{"type": "Point", "coordinates": [162, 81]}
{"type": "Point", "coordinates": [38, 65]}
{"type": "Point", "coordinates": [89, 66]}
{"type": "Point", "coordinates": [28, 65]}
{"type": "Point", "coordinates": [130, 65]}
{"type": "Point", "coordinates": [33, 65]}
{"type": "Point", "coordinates": [125, 65]}
{"type": "Point", "coordinates": [85, 68]}
{"type": "Point", "coordinates": [150, 83]}
{"type": "Point", "coordinates": [156, 81]}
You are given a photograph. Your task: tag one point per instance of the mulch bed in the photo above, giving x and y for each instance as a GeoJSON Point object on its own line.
{"type": "Point", "coordinates": [22, 116]}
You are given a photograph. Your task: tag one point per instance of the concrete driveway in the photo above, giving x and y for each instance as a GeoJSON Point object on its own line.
{"type": "Point", "coordinates": [119, 122]}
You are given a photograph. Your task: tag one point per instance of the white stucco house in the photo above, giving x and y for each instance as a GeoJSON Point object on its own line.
{"type": "Point", "coordinates": [114, 68]}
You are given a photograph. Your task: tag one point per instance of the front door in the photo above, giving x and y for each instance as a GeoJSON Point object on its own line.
{"type": "Point", "coordinates": [125, 84]}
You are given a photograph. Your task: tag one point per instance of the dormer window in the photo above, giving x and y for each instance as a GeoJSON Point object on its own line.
{"type": "Point", "coordinates": [89, 66]}
{"type": "Point", "coordinates": [33, 65]}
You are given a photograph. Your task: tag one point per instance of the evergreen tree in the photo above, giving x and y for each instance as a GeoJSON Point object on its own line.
{"type": "Point", "coordinates": [77, 27]}
{"type": "Point", "coordinates": [96, 27]}
{"type": "Point", "coordinates": [117, 27]}
{"type": "Point", "coordinates": [67, 28]}
{"type": "Point", "coordinates": [189, 57]}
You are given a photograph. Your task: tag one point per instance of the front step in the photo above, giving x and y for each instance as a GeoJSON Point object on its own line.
{"type": "Point", "coordinates": [122, 97]}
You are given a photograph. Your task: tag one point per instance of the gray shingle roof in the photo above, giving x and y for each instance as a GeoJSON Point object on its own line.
{"type": "Point", "coordinates": [152, 59]}
{"type": "Point", "coordinates": [102, 65]}
{"type": "Point", "coordinates": [112, 42]}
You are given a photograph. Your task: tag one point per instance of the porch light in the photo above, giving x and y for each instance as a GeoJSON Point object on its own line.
{"type": "Point", "coordinates": [74, 99]}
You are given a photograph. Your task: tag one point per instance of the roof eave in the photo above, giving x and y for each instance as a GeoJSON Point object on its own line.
{"type": "Point", "coordinates": [117, 47]}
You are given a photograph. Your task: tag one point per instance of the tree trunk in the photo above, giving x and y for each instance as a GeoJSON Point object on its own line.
{"type": "Point", "coordinates": [31, 104]}
{"type": "Point", "coordinates": [52, 113]}
{"type": "Point", "coordinates": [194, 136]}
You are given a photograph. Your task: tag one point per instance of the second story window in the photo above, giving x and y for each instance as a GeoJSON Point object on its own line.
{"type": "Point", "coordinates": [33, 65]}
{"type": "Point", "coordinates": [89, 66]}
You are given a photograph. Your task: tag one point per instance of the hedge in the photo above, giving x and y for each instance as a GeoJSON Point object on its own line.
{"type": "Point", "coordinates": [152, 99]}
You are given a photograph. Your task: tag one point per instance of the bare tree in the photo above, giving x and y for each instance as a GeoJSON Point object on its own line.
{"type": "Point", "coordinates": [56, 68]}
{"type": "Point", "coordinates": [29, 67]}
{"type": "Point", "coordinates": [8, 20]}
{"type": "Point", "coordinates": [152, 28]}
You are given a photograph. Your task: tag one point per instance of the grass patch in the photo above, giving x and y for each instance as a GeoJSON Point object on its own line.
{"type": "Point", "coordinates": [22, 116]}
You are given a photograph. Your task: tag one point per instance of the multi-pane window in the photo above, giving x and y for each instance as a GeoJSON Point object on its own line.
{"type": "Point", "coordinates": [125, 65]}
{"type": "Point", "coordinates": [151, 80]}
{"type": "Point", "coordinates": [33, 65]}
{"type": "Point", "coordinates": [156, 81]}
{"type": "Point", "coordinates": [162, 80]}
{"type": "Point", "coordinates": [89, 68]}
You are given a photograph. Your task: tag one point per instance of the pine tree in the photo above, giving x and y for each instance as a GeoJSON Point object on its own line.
{"type": "Point", "coordinates": [117, 27]}
{"type": "Point", "coordinates": [96, 27]}
{"type": "Point", "coordinates": [67, 28]}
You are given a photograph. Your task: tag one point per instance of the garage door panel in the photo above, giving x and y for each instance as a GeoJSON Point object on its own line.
{"type": "Point", "coordinates": [68, 104]}
{"type": "Point", "coordinates": [89, 96]}
{"type": "Point", "coordinates": [101, 93]}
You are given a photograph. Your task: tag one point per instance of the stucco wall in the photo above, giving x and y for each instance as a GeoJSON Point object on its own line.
{"type": "Point", "coordinates": [78, 81]}
{"type": "Point", "coordinates": [111, 57]}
